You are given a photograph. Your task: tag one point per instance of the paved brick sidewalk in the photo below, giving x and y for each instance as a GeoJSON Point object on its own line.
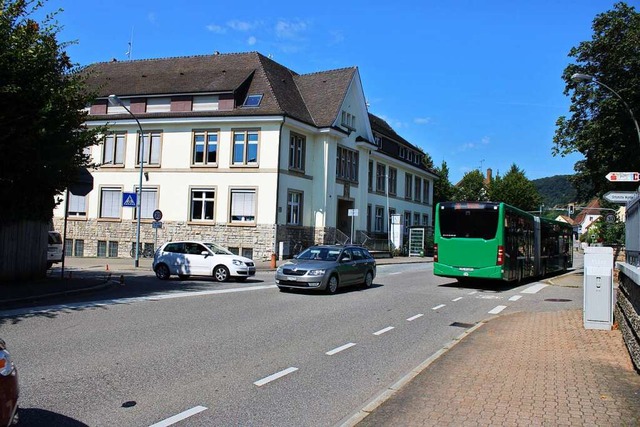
{"type": "Point", "coordinates": [520, 370]}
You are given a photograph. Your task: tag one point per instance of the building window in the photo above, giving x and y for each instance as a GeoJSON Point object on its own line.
{"type": "Point", "coordinates": [113, 250]}
{"type": "Point", "coordinates": [294, 208]}
{"type": "Point", "coordinates": [425, 192]}
{"type": "Point", "coordinates": [416, 218]}
{"type": "Point", "coordinates": [368, 217]}
{"type": "Point", "coordinates": [243, 206]}
{"type": "Point", "coordinates": [348, 120]}
{"type": "Point", "coordinates": [202, 204]}
{"type": "Point", "coordinates": [148, 203]}
{"type": "Point", "coordinates": [418, 192]}
{"type": "Point", "coordinates": [110, 202]}
{"type": "Point", "coordinates": [205, 148]}
{"type": "Point", "coordinates": [68, 247]}
{"type": "Point", "coordinates": [379, 224]}
{"type": "Point", "coordinates": [78, 248]}
{"type": "Point", "coordinates": [378, 140]}
{"type": "Point", "coordinates": [77, 205]}
{"type": "Point", "coordinates": [252, 101]}
{"type": "Point", "coordinates": [407, 221]}
{"type": "Point", "coordinates": [408, 185]}
{"type": "Point", "coordinates": [152, 148]}
{"type": "Point", "coordinates": [381, 172]}
{"type": "Point", "coordinates": [347, 164]}
{"type": "Point", "coordinates": [402, 152]}
{"type": "Point", "coordinates": [296, 152]}
{"type": "Point", "coordinates": [393, 180]}
{"type": "Point", "coordinates": [370, 178]}
{"type": "Point", "coordinates": [113, 151]}
{"type": "Point", "coordinates": [425, 220]}
{"type": "Point", "coordinates": [245, 147]}
{"type": "Point", "coordinates": [102, 248]}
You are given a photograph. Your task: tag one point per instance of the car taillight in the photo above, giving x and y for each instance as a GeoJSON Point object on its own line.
{"type": "Point", "coordinates": [6, 366]}
{"type": "Point", "coordinates": [500, 260]}
{"type": "Point", "coordinates": [435, 252]}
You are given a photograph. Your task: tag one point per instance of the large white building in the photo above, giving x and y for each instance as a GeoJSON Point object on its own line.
{"type": "Point", "coordinates": [243, 151]}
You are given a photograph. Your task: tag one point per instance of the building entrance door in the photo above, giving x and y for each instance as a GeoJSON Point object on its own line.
{"type": "Point", "coordinates": [343, 222]}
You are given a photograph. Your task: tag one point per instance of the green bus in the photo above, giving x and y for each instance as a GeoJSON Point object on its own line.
{"type": "Point", "coordinates": [490, 240]}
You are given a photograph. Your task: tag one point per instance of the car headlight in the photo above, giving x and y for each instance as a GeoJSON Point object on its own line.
{"type": "Point", "coordinates": [237, 262]}
{"type": "Point", "coordinates": [316, 272]}
{"type": "Point", "coordinates": [6, 365]}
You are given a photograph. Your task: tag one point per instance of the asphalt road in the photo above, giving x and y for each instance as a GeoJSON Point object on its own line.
{"type": "Point", "coordinates": [243, 354]}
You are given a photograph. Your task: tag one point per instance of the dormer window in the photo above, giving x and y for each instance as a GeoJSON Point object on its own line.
{"type": "Point", "coordinates": [403, 152]}
{"type": "Point", "coordinates": [378, 140]}
{"type": "Point", "coordinates": [252, 101]}
{"type": "Point", "coordinates": [348, 120]}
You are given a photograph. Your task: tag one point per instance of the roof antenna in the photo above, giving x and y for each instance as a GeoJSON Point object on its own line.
{"type": "Point", "coordinates": [128, 53]}
{"type": "Point", "coordinates": [481, 162]}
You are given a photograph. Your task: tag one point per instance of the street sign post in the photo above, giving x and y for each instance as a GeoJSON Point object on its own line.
{"type": "Point", "coordinates": [352, 213]}
{"type": "Point", "coordinates": [623, 176]}
{"type": "Point", "coordinates": [621, 197]}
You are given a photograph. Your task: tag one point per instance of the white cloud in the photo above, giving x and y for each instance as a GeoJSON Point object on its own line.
{"type": "Point", "coordinates": [251, 41]}
{"type": "Point", "coordinates": [241, 25]}
{"type": "Point", "coordinates": [216, 29]}
{"type": "Point", "coordinates": [290, 29]}
{"type": "Point", "coordinates": [422, 120]}
{"type": "Point", "coordinates": [485, 140]}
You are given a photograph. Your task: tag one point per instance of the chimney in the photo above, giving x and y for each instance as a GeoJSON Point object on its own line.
{"type": "Point", "coordinates": [489, 173]}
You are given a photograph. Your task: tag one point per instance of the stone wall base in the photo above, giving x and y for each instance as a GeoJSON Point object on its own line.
{"type": "Point", "coordinates": [627, 315]}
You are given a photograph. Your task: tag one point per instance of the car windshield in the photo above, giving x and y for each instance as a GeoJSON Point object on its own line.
{"type": "Point", "coordinates": [217, 249]}
{"type": "Point", "coordinates": [320, 254]}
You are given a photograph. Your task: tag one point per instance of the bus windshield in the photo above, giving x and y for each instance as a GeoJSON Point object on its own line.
{"type": "Point", "coordinates": [468, 223]}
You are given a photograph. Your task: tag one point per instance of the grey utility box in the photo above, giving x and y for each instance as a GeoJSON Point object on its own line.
{"type": "Point", "coordinates": [598, 288]}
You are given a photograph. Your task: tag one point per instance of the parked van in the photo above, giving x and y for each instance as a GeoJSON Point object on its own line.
{"type": "Point", "coordinates": [54, 252]}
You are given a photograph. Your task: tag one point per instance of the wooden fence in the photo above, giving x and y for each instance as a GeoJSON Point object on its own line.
{"type": "Point", "coordinates": [23, 250]}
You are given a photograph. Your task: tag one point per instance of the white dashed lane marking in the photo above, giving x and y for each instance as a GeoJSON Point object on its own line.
{"type": "Point", "coordinates": [339, 349]}
{"type": "Point", "coordinates": [515, 298]}
{"type": "Point", "coordinates": [439, 306]}
{"type": "Point", "coordinates": [412, 318]}
{"type": "Point", "coordinates": [382, 331]}
{"type": "Point", "coordinates": [534, 289]}
{"type": "Point", "coordinates": [275, 376]}
{"type": "Point", "coordinates": [457, 299]}
{"type": "Point", "coordinates": [498, 309]}
{"type": "Point", "coordinates": [181, 416]}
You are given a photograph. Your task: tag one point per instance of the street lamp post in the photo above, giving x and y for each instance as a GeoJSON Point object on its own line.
{"type": "Point", "coordinates": [579, 77]}
{"type": "Point", "coordinates": [115, 101]}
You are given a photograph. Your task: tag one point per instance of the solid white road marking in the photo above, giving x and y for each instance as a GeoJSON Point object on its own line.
{"type": "Point", "coordinates": [534, 289]}
{"type": "Point", "coordinates": [457, 299]}
{"type": "Point", "coordinates": [412, 318]}
{"type": "Point", "coordinates": [339, 349]}
{"type": "Point", "coordinates": [438, 306]}
{"type": "Point", "coordinates": [392, 274]}
{"type": "Point", "coordinates": [473, 292]}
{"type": "Point", "coordinates": [181, 416]}
{"type": "Point", "coordinates": [382, 331]}
{"type": "Point", "coordinates": [275, 376]}
{"type": "Point", "coordinates": [498, 309]}
{"type": "Point", "coordinates": [515, 298]}
{"type": "Point", "coordinates": [104, 303]}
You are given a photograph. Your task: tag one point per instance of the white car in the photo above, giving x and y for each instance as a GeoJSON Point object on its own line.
{"type": "Point", "coordinates": [54, 250]}
{"type": "Point", "coordinates": [192, 258]}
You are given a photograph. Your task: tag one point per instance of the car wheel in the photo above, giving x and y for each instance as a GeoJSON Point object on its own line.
{"type": "Point", "coordinates": [332, 286]}
{"type": "Point", "coordinates": [221, 273]}
{"type": "Point", "coordinates": [183, 276]}
{"type": "Point", "coordinates": [162, 272]}
{"type": "Point", "coordinates": [368, 280]}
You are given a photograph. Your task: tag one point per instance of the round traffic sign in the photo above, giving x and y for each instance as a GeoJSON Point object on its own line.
{"type": "Point", "coordinates": [157, 215]}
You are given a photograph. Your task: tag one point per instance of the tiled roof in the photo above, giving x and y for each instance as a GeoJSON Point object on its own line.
{"type": "Point", "coordinates": [313, 98]}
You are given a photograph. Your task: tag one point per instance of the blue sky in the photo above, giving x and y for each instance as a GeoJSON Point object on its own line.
{"type": "Point", "coordinates": [474, 83]}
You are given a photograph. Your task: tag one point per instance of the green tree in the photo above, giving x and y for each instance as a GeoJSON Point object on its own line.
{"type": "Point", "coordinates": [471, 187]}
{"type": "Point", "coordinates": [516, 190]}
{"type": "Point", "coordinates": [600, 126]}
{"type": "Point", "coordinates": [42, 95]}
{"type": "Point", "coordinates": [442, 188]}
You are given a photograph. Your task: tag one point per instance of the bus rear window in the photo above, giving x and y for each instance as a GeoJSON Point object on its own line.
{"type": "Point", "coordinates": [469, 223]}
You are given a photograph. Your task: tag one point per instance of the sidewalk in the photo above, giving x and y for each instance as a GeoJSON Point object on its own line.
{"type": "Point", "coordinates": [522, 369]}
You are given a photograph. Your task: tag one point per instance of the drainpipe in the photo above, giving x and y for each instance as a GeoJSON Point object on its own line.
{"type": "Point", "coordinates": [275, 241]}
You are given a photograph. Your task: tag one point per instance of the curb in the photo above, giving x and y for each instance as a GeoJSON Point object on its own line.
{"type": "Point", "coordinates": [386, 394]}
{"type": "Point", "coordinates": [106, 284]}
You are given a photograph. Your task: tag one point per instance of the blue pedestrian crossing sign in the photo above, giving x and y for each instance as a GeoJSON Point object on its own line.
{"type": "Point", "coordinates": [129, 200]}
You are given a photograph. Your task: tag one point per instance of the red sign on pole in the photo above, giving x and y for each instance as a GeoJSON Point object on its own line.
{"type": "Point", "coordinates": [623, 176]}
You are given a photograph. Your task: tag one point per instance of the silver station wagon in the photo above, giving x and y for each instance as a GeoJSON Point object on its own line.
{"type": "Point", "coordinates": [327, 268]}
